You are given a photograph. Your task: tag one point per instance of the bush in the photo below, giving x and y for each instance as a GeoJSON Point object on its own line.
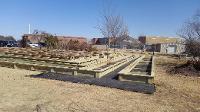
{"type": "Point", "coordinates": [196, 64]}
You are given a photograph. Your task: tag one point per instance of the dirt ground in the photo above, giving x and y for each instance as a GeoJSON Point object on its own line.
{"type": "Point", "coordinates": [18, 93]}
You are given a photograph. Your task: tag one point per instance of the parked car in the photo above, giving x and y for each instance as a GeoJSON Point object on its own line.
{"type": "Point", "coordinates": [12, 44]}
{"type": "Point", "coordinates": [33, 45]}
{"type": "Point", "coordinates": [2, 43]}
{"type": "Point", "coordinates": [8, 43]}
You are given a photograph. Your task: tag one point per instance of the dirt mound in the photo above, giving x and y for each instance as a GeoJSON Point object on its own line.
{"type": "Point", "coordinates": [188, 69]}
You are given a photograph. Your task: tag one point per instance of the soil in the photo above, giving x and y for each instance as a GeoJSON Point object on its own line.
{"type": "Point", "coordinates": [186, 69]}
{"type": "Point", "coordinates": [19, 93]}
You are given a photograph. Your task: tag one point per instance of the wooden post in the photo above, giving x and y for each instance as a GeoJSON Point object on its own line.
{"type": "Point", "coordinates": [75, 72]}
{"type": "Point", "coordinates": [32, 68]}
{"type": "Point", "coordinates": [97, 75]}
{"type": "Point", "coordinates": [52, 70]}
{"type": "Point", "coordinates": [14, 66]}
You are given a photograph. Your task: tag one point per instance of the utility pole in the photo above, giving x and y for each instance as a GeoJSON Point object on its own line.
{"type": "Point", "coordinates": [29, 29]}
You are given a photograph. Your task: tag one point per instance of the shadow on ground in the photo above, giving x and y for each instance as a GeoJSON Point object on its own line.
{"type": "Point", "coordinates": [105, 82]}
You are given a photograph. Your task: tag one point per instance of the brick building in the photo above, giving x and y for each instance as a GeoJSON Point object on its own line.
{"type": "Point", "coordinates": [39, 38]}
{"type": "Point", "coordinates": [168, 45]}
{"type": "Point", "coordinates": [66, 39]}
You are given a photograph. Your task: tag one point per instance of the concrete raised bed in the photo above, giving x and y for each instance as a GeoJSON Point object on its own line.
{"type": "Point", "coordinates": [127, 75]}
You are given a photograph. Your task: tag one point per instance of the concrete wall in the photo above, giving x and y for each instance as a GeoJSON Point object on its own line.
{"type": "Point", "coordinates": [179, 48]}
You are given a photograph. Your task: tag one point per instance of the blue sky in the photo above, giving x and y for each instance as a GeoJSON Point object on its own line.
{"type": "Point", "coordinates": [80, 17]}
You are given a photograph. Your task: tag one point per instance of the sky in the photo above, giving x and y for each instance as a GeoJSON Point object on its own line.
{"type": "Point", "coordinates": [80, 17]}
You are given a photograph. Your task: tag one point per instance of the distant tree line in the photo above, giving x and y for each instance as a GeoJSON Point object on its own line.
{"type": "Point", "coordinates": [7, 38]}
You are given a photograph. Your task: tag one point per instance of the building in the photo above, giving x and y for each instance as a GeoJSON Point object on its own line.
{"type": "Point", "coordinates": [127, 42]}
{"type": "Point", "coordinates": [99, 41]}
{"type": "Point", "coordinates": [169, 45]}
{"type": "Point", "coordinates": [66, 39]}
{"type": "Point", "coordinates": [34, 38]}
{"type": "Point", "coordinates": [40, 38]}
{"type": "Point", "coordinates": [120, 43]}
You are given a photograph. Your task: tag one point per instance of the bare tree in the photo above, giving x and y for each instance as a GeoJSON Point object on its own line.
{"type": "Point", "coordinates": [23, 42]}
{"type": "Point", "coordinates": [112, 27]}
{"type": "Point", "coordinates": [124, 35]}
{"type": "Point", "coordinates": [51, 41]}
{"type": "Point", "coordinates": [191, 33]}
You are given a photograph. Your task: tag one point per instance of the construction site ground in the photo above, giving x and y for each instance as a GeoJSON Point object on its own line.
{"type": "Point", "coordinates": [21, 93]}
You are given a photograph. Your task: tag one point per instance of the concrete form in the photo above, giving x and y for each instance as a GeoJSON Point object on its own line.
{"type": "Point", "coordinates": [59, 69]}
{"type": "Point", "coordinates": [95, 67]}
{"type": "Point", "coordinates": [127, 75]}
{"type": "Point", "coordinates": [91, 66]}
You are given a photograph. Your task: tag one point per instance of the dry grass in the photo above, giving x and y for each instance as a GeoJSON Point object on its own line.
{"type": "Point", "coordinates": [23, 94]}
